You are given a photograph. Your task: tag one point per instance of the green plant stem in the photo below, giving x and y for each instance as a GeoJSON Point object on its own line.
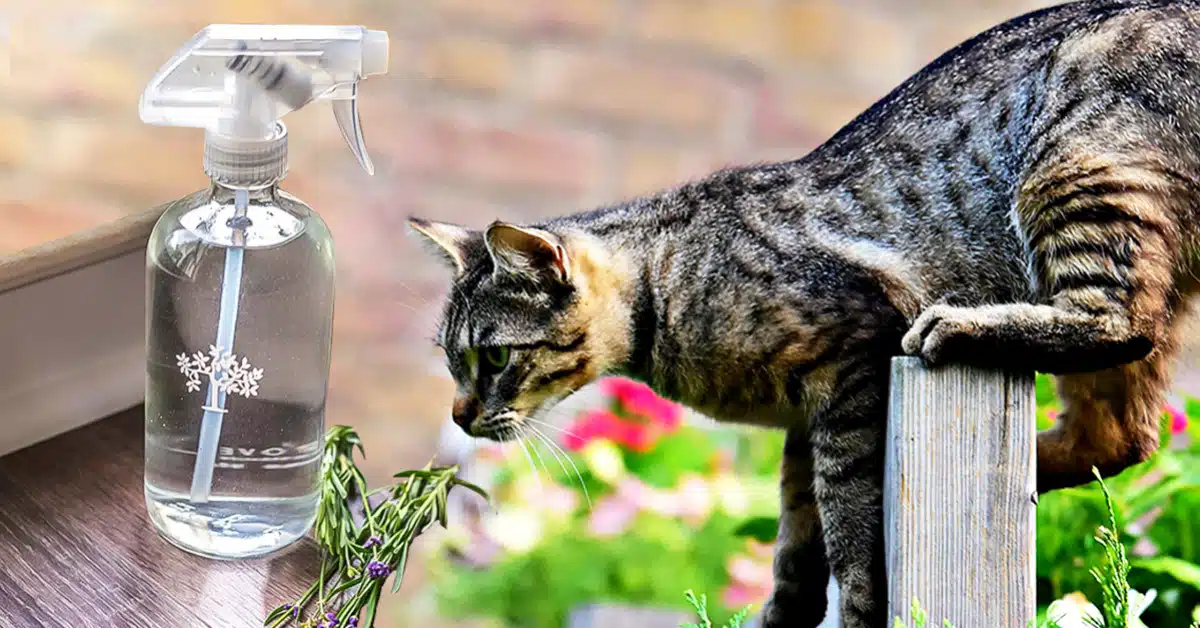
{"type": "Point", "coordinates": [1113, 575]}
{"type": "Point", "coordinates": [357, 560]}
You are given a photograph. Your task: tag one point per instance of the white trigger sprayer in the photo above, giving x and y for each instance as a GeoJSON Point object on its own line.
{"type": "Point", "coordinates": [236, 82]}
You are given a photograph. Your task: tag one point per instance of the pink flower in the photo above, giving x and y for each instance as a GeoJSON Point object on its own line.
{"type": "Point", "coordinates": [639, 438]}
{"type": "Point", "coordinates": [1052, 415]}
{"type": "Point", "coordinates": [750, 576]}
{"type": "Point", "coordinates": [490, 452]}
{"type": "Point", "coordinates": [740, 595]}
{"type": "Point", "coordinates": [604, 424]}
{"type": "Point", "coordinates": [561, 501]}
{"type": "Point", "coordinates": [745, 571]}
{"type": "Point", "coordinates": [1179, 420]}
{"type": "Point", "coordinates": [643, 496]}
{"type": "Point", "coordinates": [592, 425]}
{"type": "Point", "coordinates": [611, 516]}
{"type": "Point", "coordinates": [639, 399]}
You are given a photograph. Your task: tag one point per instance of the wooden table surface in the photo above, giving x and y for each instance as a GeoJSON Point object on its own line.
{"type": "Point", "coordinates": [78, 551]}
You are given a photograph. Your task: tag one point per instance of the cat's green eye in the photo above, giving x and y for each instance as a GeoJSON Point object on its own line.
{"type": "Point", "coordinates": [471, 358]}
{"type": "Point", "coordinates": [496, 357]}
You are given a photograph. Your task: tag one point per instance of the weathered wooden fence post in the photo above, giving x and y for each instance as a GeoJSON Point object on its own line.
{"type": "Point", "coordinates": [958, 495]}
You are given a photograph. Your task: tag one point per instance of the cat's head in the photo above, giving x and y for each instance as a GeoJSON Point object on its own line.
{"type": "Point", "coordinates": [531, 317]}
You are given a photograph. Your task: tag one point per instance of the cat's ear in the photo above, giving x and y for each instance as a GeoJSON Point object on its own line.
{"type": "Point", "coordinates": [447, 241]}
{"type": "Point", "coordinates": [527, 251]}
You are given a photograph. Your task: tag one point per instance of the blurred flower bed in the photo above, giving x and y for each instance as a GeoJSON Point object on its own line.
{"type": "Point", "coordinates": [634, 507]}
{"type": "Point", "coordinates": [1157, 507]}
{"type": "Point", "coordinates": [630, 505]}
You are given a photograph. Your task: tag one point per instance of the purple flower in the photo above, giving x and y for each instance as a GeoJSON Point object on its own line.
{"type": "Point", "coordinates": [352, 622]}
{"type": "Point", "coordinates": [373, 541]}
{"type": "Point", "coordinates": [295, 611]}
{"type": "Point", "coordinates": [333, 620]}
{"type": "Point", "coordinates": [376, 569]}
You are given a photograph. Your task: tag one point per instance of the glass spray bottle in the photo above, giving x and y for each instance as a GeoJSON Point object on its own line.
{"type": "Point", "coordinates": [240, 289]}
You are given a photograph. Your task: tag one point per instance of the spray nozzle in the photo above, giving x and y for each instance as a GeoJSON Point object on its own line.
{"type": "Point", "coordinates": [237, 81]}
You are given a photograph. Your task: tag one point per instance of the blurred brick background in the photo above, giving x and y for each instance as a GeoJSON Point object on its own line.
{"type": "Point", "coordinates": [512, 109]}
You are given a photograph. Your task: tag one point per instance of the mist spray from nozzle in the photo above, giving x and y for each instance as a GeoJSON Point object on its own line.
{"type": "Point", "coordinates": [236, 82]}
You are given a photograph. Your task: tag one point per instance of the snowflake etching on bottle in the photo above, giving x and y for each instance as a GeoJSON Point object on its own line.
{"type": "Point", "coordinates": [223, 371]}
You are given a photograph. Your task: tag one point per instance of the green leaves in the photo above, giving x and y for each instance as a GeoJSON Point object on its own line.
{"type": "Point", "coordinates": [646, 565]}
{"type": "Point", "coordinates": [761, 529]}
{"type": "Point", "coordinates": [340, 478]}
{"type": "Point", "coordinates": [1185, 572]}
{"type": "Point", "coordinates": [358, 559]}
{"type": "Point", "coordinates": [700, 605]}
{"type": "Point", "coordinates": [1113, 575]}
{"type": "Point", "coordinates": [688, 450]}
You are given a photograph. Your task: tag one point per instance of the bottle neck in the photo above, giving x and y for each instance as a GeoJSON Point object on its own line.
{"type": "Point", "coordinates": [249, 164]}
{"type": "Point", "coordinates": [224, 193]}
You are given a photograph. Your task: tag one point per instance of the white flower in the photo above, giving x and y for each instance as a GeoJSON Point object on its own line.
{"type": "Point", "coordinates": [1074, 610]}
{"type": "Point", "coordinates": [732, 497]}
{"type": "Point", "coordinates": [517, 530]}
{"type": "Point", "coordinates": [604, 460]}
{"type": "Point", "coordinates": [1138, 603]}
{"type": "Point", "coordinates": [696, 498]}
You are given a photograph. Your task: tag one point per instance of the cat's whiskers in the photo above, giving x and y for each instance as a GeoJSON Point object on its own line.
{"type": "Point", "coordinates": [525, 450]}
{"type": "Point", "coordinates": [554, 427]}
{"type": "Point", "coordinates": [555, 450]}
{"type": "Point", "coordinates": [538, 455]}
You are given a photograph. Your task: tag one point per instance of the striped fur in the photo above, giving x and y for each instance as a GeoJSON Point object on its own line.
{"type": "Point", "coordinates": [1027, 201]}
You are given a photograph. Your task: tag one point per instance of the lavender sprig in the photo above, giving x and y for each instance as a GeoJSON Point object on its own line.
{"type": "Point", "coordinates": [357, 559]}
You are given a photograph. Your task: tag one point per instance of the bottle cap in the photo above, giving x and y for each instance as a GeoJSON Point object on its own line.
{"type": "Point", "coordinates": [242, 163]}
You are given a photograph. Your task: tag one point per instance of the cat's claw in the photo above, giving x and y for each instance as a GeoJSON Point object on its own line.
{"type": "Point", "coordinates": [935, 333]}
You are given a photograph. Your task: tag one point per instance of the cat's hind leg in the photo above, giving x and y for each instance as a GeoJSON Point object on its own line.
{"type": "Point", "coordinates": [800, 569]}
{"type": "Point", "coordinates": [1110, 420]}
{"type": "Point", "coordinates": [1108, 248]}
{"type": "Point", "coordinates": [848, 444]}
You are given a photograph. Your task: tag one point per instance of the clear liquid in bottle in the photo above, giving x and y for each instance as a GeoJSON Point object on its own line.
{"type": "Point", "coordinates": [269, 387]}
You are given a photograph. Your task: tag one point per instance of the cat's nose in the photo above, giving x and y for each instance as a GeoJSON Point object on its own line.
{"type": "Point", "coordinates": [464, 411]}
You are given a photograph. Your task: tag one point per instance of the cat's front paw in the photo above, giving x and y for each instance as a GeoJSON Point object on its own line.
{"type": "Point", "coordinates": [940, 334]}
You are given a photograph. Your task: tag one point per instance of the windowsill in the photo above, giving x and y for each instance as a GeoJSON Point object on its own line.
{"type": "Point", "coordinates": [73, 331]}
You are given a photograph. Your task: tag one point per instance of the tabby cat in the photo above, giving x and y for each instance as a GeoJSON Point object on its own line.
{"type": "Point", "coordinates": [1027, 201]}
